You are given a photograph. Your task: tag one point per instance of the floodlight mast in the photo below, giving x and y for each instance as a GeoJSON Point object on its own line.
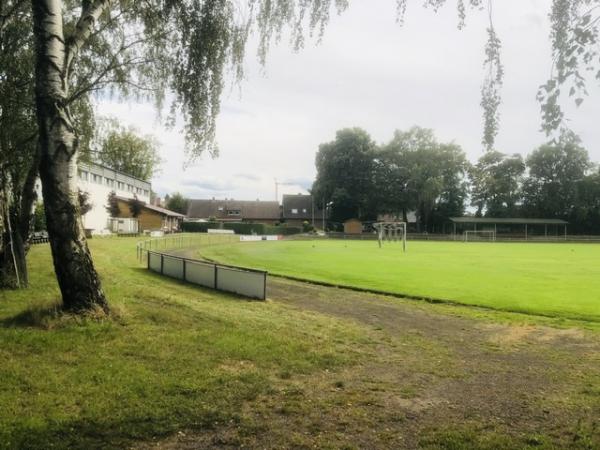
{"type": "Point", "coordinates": [391, 231]}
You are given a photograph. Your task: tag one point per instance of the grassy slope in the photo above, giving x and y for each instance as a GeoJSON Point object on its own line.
{"type": "Point", "coordinates": [178, 357]}
{"type": "Point", "coordinates": [561, 280]}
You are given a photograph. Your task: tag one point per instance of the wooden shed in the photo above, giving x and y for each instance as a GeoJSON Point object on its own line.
{"type": "Point", "coordinates": [353, 226]}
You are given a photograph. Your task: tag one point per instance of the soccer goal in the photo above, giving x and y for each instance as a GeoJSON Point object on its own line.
{"type": "Point", "coordinates": [480, 235]}
{"type": "Point", "coordinates": [391, 232]}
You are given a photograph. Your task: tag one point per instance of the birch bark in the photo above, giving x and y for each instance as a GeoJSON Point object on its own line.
{"type": "Point", "coordinates": [78, 280]}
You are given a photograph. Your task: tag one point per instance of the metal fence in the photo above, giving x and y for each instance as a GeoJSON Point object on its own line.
{"type": "Point", "coordinates": [177, 241]}
{"type": "Point", "coordinates": [238, 280]}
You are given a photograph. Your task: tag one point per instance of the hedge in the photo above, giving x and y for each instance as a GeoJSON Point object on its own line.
{"type": "Point", "coordinates": [199, 227]}
{"type": "Point", "coordinates": [239, 228]}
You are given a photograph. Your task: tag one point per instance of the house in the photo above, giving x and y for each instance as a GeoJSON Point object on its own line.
{"type": "Point", "coordinates": [300, 208]}
{"type": "Point", "coordinates": [230, 210]}
{"type": "Point", "coordinates": [150, 218]}
{"type": "Point", "coordinates": [98, 182]}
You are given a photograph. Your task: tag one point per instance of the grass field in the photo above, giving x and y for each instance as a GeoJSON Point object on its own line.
{"type": "Point", "coordinates": [559, 280]}
{"type": "Point", "coordinates": [176, 366]}
{"type": "Point", "coordinates": [173, 357]}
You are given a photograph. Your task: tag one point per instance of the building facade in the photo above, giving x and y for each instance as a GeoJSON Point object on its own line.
{"type": "Point", "coordinates": [230, 210]}
{"type": "Point", "coordinates": [98, 182]}
{"type": "Point", "coordinates": [300, 208]}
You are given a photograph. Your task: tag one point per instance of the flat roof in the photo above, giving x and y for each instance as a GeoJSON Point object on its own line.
{"type": "Point", "coordinates": [508, 220]}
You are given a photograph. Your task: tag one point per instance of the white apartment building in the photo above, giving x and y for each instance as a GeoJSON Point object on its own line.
{"type": "Point", "coordinates": [99, 181]}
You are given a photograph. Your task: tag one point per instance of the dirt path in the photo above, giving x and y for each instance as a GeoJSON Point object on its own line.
{"type": "Point", "coordinates": [430, 380]}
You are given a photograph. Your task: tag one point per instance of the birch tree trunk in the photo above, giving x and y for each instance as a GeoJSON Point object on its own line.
{"type": "Point", "coordinates": [78, 280]}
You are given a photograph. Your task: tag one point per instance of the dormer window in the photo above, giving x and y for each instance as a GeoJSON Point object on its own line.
{"type": "Point", "coordinates": [294, 211]}
{"type": "Point", "coordinates": [234, 212]}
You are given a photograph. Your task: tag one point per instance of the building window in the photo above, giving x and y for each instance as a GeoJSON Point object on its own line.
{"type": "Point", "coordinates": [83, 175]}
{"type": "Point", "coordinates": [130, 188]}
{"type": "Point", "coordinates": [109, 182]}
{"type": "Point", "coordinates": [221, 208]}
{"type": "Point", "coordinates": [96, 178]}
{"type": "Point", "coordinates": [146, 192]}
{"type": "Point", "coordinates": [294, 211]}
{"type": "Point", "coordinates": [233, 212]}
{"type": "Point", "coordinates": [304, 211]}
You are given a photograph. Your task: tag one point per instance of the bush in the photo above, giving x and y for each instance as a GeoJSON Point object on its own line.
{"type": "Point", "coordinates": [282, 229]}
{"type": "Point", "coordinates": [240, 228]}
{"type": "Point", "coordinates": [245, 228]}
{"type": "Point", "coordinates": [307, 227]}
{"type": "Point", "coordinates": [199, 227]}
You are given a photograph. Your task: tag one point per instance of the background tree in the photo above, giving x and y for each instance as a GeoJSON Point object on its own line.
{"type": "Point", "coordinates": [123, 149]}
{"type": "Point", "coordinates": [135, 206]}
{"type": "Point", "coordinates": [431, 176]}
{"type": "Point", "coordinates": [18, 132]}
{"type": "Point", "coordinates": [112, 205]}
{"type": "Point", "coordinates": [39, 218]}
{"type": "Point", "coordinates": [496, 182]}
{"type": "Point", "coordinates": [585, 216]}
{"type": "Point", "coordinates": [178, 203]}
{"type": "Point", "coordinates": [345, 175]}
{"type": "Point", "coordinates": [555, 173]}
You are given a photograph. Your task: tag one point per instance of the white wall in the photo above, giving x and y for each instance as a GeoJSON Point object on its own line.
{"type": "Point", "coordinates": [99, 182]}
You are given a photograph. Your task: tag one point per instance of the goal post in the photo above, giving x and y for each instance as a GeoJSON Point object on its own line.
{"type": "Point", "coordinates": [391, 231]}
{"type": "Point", "coordinates": [480, 235]}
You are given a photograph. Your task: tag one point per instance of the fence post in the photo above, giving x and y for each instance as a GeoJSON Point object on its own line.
{"type": "Point", "coordinates": [216, 275]}
{"type": "Point", "coordinates": [184, 269]}
{"type": "Point", "coordinates": [162, 263]}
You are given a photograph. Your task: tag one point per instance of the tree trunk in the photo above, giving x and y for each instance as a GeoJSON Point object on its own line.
{"type": "Point", "coordinates": [79, 283]}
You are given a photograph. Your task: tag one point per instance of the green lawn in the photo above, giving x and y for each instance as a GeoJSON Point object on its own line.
{"type": "Point", "coordinates": [561, 280]}
{"type": "Point", "coordinates": [175, 357]}
{"type": "Point", "coordinates": [310, 368]}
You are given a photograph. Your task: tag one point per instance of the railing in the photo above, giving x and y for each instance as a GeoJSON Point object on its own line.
{"type": "Point", "coordinates": [238, 280]}
{"type": "Point", "coordinates": [181, 241]}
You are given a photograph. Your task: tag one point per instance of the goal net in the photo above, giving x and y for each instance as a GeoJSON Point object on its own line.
{"type": "Point", "coordinates": [391, 232]}
{"type": "Point", "coordinates": [483, 235]}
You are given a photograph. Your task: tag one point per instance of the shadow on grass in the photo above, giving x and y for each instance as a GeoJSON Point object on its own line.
{"type": "Point", "coordinates": [109, 433]}
{"type": "Point", "coordinates": [47, 317]}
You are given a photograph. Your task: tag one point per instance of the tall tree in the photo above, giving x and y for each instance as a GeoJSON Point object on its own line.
{"type": "Point", "coordinates": [496, 181]}
{"type": "Point", "coordinates": [125, 150]}
{"type": "Point", "coordinates": [18, 151]}
{"type": "Point", "coordinates": [145, 48]}
{"type": "Point", "coordinates": [585, 216]}
{"type": "Point", "coordinates": [555, 171]}
{"type": "Point", "coordinates": [345, 175]}
{"type": "Point", "coordinates": [431, 176]}
{"type": "Point", "coordinates": [178, 203]}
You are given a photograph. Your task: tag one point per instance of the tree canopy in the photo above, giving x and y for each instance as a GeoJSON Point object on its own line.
{"type": "Point", "coordinates": [177, 203]}
{"type": "Point", "coordinates": [123, 149]}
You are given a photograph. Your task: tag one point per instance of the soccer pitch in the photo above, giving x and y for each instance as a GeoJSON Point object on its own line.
{"type": "Point", "coordinates": [560, 279]}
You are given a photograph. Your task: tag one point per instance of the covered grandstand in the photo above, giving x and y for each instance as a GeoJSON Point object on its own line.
{"type": "Point", "coordinates": [512, 227]}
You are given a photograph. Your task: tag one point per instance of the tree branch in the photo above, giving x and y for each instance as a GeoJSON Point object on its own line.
{"type": "Point", "coordinates": [90, 12]}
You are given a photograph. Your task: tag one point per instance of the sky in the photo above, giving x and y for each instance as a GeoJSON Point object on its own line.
{"type": "Point", "coordinates": [372, 73]}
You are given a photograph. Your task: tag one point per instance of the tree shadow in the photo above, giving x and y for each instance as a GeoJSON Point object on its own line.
{"type": "Point", "coordinates": [46, 317]}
